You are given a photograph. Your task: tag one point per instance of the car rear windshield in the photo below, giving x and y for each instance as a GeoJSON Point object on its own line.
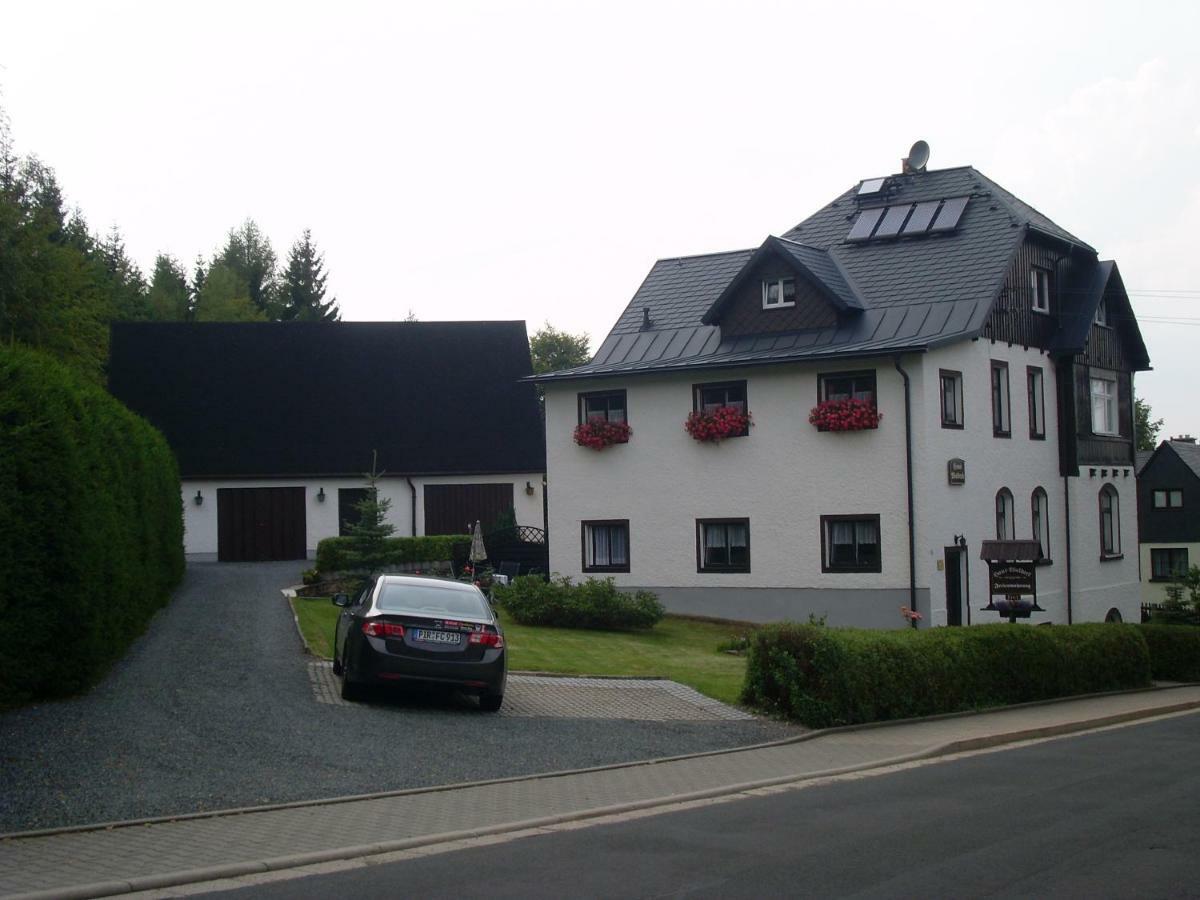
{"type": "Point", "coordinates": [432, 599]}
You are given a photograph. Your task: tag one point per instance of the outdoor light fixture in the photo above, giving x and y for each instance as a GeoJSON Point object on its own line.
{"type": "Point", "coordinates": [529, 488]}
{"type": "Point", "coordinates": [321, 495]}
{"type": "Point", "coordinates": [199, 498]}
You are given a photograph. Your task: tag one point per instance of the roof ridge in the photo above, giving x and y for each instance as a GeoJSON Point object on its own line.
{"type": "Point", "coordinates": [703, 255]}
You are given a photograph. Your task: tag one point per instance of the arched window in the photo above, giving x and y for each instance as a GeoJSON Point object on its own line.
{"type": "Point", "coordinates": [1039, 505]}
{"type": "Point", "coordinates": [1110, 522]}
{"type": "Point", "coordinates": [1005, 525]}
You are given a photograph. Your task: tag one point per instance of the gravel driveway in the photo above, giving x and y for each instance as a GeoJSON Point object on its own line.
{"type": "Point", "coordinates": [214, 707]}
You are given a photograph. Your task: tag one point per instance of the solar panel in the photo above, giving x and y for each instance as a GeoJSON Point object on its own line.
{"type": "Point", "coordinates": [892, 221]}
{"type": "Point", "coordinates": [871, 186]}
{"type": "Point", "coordinates": [921, 217]}
{"type": "Point", "coordinates": [952, 211]}
{"type": "Point", "coordinates": [864, 224]}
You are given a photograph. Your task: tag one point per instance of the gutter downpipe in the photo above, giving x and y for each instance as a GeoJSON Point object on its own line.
{"type": "Point", "coordinates": [413, 490]}
{"type": "Point", "coordinates": [1067, 523]}
{"type": "Point", "coordinates": [908, 457]}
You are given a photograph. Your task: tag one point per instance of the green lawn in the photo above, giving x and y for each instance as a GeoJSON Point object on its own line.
{"type": "Point", "coordinates": [681, 649]}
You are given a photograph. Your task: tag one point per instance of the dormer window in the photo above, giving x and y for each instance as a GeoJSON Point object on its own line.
{"type": "Point", "coordinates": [779, 292]}
{"type": "Point", "coordinates": [1039, 282]}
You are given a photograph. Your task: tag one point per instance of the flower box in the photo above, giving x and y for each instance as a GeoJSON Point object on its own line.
{"type": "Point", "coordinates": [845, 415]}
{"type": "Point", "coordinates": [723, 422]}
{"type": "Point", "coordinates": [598, 433]}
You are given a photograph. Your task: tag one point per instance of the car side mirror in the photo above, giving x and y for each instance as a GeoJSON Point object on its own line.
{"type": "Point", "coordinates": [341, 599]}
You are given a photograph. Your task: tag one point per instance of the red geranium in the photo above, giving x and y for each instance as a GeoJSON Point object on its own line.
{"type": "Point", "coordinates": [598, 433]}
{"type": "Point", "coordinates": [845, 415]}
{"type": "Point", "coordinates": [722, 422]}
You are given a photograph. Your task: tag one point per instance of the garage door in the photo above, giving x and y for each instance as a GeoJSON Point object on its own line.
{"type": "Point", "coordinates": [260, 523]}
{"type": "Point", "coordinates": [453, 508]}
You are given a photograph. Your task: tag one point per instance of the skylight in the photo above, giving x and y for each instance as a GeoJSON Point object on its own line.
{"type": "Point", "coordinates": [871, 186]}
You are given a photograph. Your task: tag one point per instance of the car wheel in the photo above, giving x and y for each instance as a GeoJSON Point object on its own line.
{"type": "Point", "coordinates": [338, 668]}
{"type": "Point", "coordinates": [351, 690]}
{"type": "Point", "coordinates": [491, 702]}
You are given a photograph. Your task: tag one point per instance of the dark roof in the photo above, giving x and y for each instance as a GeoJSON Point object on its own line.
{"type": "Point", "coordinates": [315, 398]}
{"type": "Point", "coordinates": [1188, 452]}
{"type": "Point", "coordinates": [1095, 283]}
{"type": "Point", "coordinates": [897, 295]}
{"type": "Point", "coordinates": [1141, 457]}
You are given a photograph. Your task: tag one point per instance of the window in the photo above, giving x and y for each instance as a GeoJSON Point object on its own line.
{"type": "Point", "coordinates": [1037, 402]}
{"type": "Point", "coordinates": [1001, 419]}
{"type": "Point", "coordinates": [850, 544]}
{"type": "Point", "coordinates": [1005, 524]}
{"type": "Point", "coordinates": [1168, 499]}
{"type": "Point", "coordinates": [606, 405]}
{"type": "Point", "coordinates": [846, 385]}
{"type": "Point", "coordinates": [1110, 523]}
{"type": "Point", "coordinates": [708, 398]}
{"type": "Point", "coordinates": [1101, 313]}
{"type": "Point", "coordinates": [778, 292]}
{"type": "Point", "coordinates": [952, 399]}
{"type": "Point", "coordinates": [1039, 505]}
{"type": "Point", "coordinates": [722, 545]}
{"type": "Point", "coordinates": [1167, 564]}
{"type": "Point", "coordinates": [1039, 282]}
{"type": "Point", "coordinates": [606, 545]}
{"type": "Point", "coordinates": [1104, 402]}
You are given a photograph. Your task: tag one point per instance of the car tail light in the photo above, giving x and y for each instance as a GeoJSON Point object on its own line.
{"type": "Point", "coordinates": [486, 639]}
{"type": "Point", "coordinates": [375, 628]}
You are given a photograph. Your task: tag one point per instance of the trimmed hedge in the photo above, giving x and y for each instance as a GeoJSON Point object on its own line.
{"type": "Point", "coordinates": [332, 552]}
{"type": "Point", "coordinates": [596, 603]}
{"type": "Point", "coordinates": [1174, 651]}
{"type": "Point", "coordinates": [834, 676]}
{"type": "Point", "coordinates": [91, 527]}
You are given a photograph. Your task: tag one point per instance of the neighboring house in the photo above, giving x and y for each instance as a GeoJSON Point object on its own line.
{"type": "Point", "coordinates": [1168, 514]}
{"type": "Point", "coordinates": [997, 348]}
{"type": "Point", "coordinates": [274, 425]}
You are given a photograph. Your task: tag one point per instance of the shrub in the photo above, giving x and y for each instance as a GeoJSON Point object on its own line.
{"type": "Point", "coordinates": [91, 527]}
{"type": "Point", "coordinates": [834, 676]}
{"type": "Point", "coordinates": [596, 603]}
{"type": "Point", "coordinates": [334, 553]}
{"type": "Point", "coordinates": [1174, 651]}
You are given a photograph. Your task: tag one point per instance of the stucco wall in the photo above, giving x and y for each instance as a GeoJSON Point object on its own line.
{"type": "Point", "coordinates": [1156, 591]}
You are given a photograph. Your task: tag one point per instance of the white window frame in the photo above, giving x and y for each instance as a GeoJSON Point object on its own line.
{"type": "Point", "coordinates": [1039, 282]}
{"type": "Point", "coordinates": [1103, 394]}
{"type": "Point", "coordinates": [779, 284]}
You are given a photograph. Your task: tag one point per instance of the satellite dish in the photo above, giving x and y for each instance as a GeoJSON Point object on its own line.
{"type": "Point", "coordinates": [918, 157]}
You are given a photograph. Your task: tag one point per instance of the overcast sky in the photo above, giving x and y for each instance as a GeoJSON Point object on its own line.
{"type": "Point", "coordinates": [532, 160]}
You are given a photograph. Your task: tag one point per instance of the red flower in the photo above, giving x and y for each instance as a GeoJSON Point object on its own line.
{"type": "Point", "coordinates": [845, 415]}
{"type": "Point", "coordinates": [598, 433]}
{"type": "Point", "coordinates": [722, 422]}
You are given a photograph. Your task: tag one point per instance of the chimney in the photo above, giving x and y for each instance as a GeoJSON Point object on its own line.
{"type": "Point", "coordinates": [645, 318]}
{"type": "Point", "coordinates": [1184, 439]}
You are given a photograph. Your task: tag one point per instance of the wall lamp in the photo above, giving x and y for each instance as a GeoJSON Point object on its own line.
{"type": "Point", "coordinates": [199, 498]}
{"type": "Point", "coordinates": [529, 488]}
{"type": "Point", "coordinates": [321, 495]}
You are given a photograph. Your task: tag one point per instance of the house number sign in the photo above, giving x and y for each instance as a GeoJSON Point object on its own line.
{"type": "Point", "coordinates": [956, 472]}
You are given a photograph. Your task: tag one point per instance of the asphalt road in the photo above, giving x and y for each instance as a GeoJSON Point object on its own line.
{"type": "Point", "coordinates": [1112, 814]}
{"type": "Point", "coordinates": [212, 708]}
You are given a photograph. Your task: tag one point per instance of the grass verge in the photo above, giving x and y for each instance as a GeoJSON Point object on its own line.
{"type": "Point", "coordinates": [682, 649]}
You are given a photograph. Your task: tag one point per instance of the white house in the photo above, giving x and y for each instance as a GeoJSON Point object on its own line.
{"type": "Point", "coordinates": [997, 350]}
{"type": "Point", "coordinates": [275, 423]}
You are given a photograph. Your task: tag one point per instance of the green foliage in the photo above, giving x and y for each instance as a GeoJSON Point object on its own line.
{"type": "Point", "coordinates": [552, 349]}
{"type": "Point", "coordinates": [596, 603]}
{"type": "Point", "coordinates": [169, 299]}
{"type": "Point", "coordinates": [1183, 595]}
{"type": "Point", "coordinates": [249, 256]}
{"type": "Point", "coordinates": [302, 294]}
{"type": "Point", "coordinates": [505, 521]}
{"type": "Point", "coordinates": [367, 538]}
{"type": "Point", "coordinates": [224, 297]}
{"type": "Point", "coordinates": [334, 554]}
{"type": "Point", "coordinates": [834, 676]}
{"type": "Point", "coordinates": [91, 527]}
{"type": "Point", "coordinates": [1146, 431]}
{"type": "Point", "coordinates": [1174, 651]}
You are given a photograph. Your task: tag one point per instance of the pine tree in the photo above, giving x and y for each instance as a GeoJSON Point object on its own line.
{"type": "Point", "coordinates": [169, 298]}
{"type": "Point", "coordinates": [368, 536]}
{"type": "Point", "coordinates": [303, 288]}
{"type": "Point", "coordinates": [125, 284]}
{"type": "Point", "coordinates": [224, 298]}
{"type": "Point", "coordinates": [248, 255]}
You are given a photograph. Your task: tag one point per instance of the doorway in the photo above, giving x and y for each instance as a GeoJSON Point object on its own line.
{"type": "Point", "coordinates": [956, 592]}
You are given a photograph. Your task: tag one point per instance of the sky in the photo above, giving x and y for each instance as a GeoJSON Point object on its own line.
{"type": "Point", "coordinates": [515, 160]}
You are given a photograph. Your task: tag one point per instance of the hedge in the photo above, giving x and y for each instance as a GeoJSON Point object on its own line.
{"type": "Point", "coordinates": [1174, 651]}
{"type": "Point", "coordinates": [833, 676]}
{"type": "Point", "coordinates": [91, 527]}
{"type": "Point", "coordinates": [595, 603]}
{"type": "Point", "coordinates": [331, 552]}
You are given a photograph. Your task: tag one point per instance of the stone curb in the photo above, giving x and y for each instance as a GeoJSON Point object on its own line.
{"type": "Point", "coordinates": [213, 873]}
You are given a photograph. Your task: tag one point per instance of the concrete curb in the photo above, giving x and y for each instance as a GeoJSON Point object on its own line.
{"type": "Point", "coordinates": [213, 873]}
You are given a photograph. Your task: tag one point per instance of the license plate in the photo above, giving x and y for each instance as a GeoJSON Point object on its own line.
{"type": "Point", "coordinates": [437, 637]}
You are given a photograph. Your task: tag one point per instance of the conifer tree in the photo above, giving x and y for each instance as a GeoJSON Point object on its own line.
{"type": "Point", "coordinates": [368, 536]}
{"type": "Point", "coordinates": [169, 298]}
{"type": "Point", "coordinates": [303, 288]}
{"type": "Point", "coordinates": [248, 255]}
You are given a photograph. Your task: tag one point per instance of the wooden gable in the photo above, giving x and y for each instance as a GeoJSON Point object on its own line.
{"type": "Point", "coordinates": [743, 313]}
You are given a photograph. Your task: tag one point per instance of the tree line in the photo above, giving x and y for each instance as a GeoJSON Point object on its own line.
{"type": "Point", "coordinates": [61, 284]}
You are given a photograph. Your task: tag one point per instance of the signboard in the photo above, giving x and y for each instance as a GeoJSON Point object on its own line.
{"type": "Point", "coordinates": [1013, 578]}
{"type": "Point", "coordinates": [956, 472]}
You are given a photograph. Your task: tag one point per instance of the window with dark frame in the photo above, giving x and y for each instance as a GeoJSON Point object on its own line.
{"type": "Point", "coordinates": [707, 398]}
{"type": "Point", "coordinates": [1036, 391]}
{"type": "Point", "coordinates": [1005, 520]}
{"type": "Point", "coordinates": [778, 292]}
{"type": "Point", "coordinates": [1168, 498]}
{"type": "Point", "coordinates": [850, 544]}
{"type": "Point", "coordinates": [605, 545]}
{"type": "Point", "coordinates": [1039, 506]}
{"type": "Point", "coordinates": [1168, 563]}
{"type": "Point", "coordinates": [846, 386]}
{"type": "Point", "coordinates": [952, 399]}
{"type": "Point", "coordinates": [1001, 411]}
{"type": "Point", "coordinates": [1039, 280]}
{"type": "Point", "coordinates": [1110, 523]}
{"type": "Point", "coordinates": [722, 545]}
{"type": "Point", "coordinates": [607, 405]}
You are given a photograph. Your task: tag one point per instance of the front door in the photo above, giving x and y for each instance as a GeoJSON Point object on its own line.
{"type": "Point", "coordinates": [954, 591]}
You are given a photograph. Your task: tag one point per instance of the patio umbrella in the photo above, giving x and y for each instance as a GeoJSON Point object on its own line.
{"type": "Point", "coordinates": [478, 552]}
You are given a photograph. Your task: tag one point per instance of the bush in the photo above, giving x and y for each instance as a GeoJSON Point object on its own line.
{"type": "Point", "coordinates": [596, 603]}
{"type": "Point", "coordinates": [91, 527]}
{"type": "Point", "coordinates": [334, 553]}
{"type": "Point", "coordinates": [833, 676]}
{"type": "Point", "coordinates": [1174, 651]}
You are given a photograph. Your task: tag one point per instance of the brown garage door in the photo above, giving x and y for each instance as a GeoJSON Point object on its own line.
{"type": "Point", "coordinates": [454, 508]}
{"type": "Point", "coordinates": [260, 523]}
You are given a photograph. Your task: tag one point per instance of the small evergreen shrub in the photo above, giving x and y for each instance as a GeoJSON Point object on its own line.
{"type": "Point", "coordinates": [595, 603]}
{"type": "Point", "coordinates": [1174, 651]}
{"type": "Point", "coordinates": [334, 554]}
{"type": "Point", "coordinates": [843, 676]}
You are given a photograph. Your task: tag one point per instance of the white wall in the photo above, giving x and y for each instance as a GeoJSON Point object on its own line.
{"type": "Point", "coordinates": [1156, 591]}
{"type": "Point", "coordinates": [1100, 585]}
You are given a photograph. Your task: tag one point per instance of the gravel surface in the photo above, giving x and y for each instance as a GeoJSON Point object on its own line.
{"type": "Point", "coordinates": [212, 708]}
